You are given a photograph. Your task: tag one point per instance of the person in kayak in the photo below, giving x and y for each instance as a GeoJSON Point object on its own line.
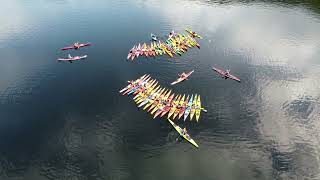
{"type": "Point", "coordinates": [76, 45]}
{"type": "Point", "coordinates": [183, 75]}
{"type": "Point", "coordinates": [193, 34]}
{"type": "Point", "coordinates": [185, 132]}
{"type": "Point", "coordinates": [171, 34]}
{"type": "Point", "coordinates": [226, 75]}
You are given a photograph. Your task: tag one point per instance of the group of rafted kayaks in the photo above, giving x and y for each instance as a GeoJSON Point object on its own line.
{"type": "Point", "coordinates": [149, 95]}
{"type": "Point", "coordinates": [160, 102]}
{"type": "Point", "coordinates": [175, 44]}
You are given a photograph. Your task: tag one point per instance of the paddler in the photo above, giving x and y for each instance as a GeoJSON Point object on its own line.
{"type": "Point", "coordinates": [193, 34]}
{"type": "Point", "coordinates": [170, 34]}
{"type": "Point", "coordinates": [227, 73]}
{"type": "Point", "coordinates": [184, 132]}
{"type": "Point", "coordinates": [76, 45]}
{"type": "Point", "coordinates": [183, 75]}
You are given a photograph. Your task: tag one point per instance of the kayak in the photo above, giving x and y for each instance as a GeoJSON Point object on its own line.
{"type": "Point", "coordinates": [193, 33]}
{"type": "Point", "coordinates": [135, 87]}
{"type": "Point", "coordinates": [185, 136]}
{"type": "Point", "coordinates": [188, 109]}
{"type": "Point", "coordinates": [175, 103]}
{"type": "Point", "coordinates": [159, 104]}
{"type": "Point", "coordinates": [134, 82]}
{"type": "Point", "coordinates": [143, 99]}
{"type": "Point", "coordinates": [75, 58]}
{"type": "Point", "coordinates": [142, 85]}
{"type": "Point", "coordinates": [162, 106]}
{"type": "Point", "coordinates": [193, 109]}
{"type": "Point", "coordinates": [183, 107]}
{"type": "Point", "coordinates": [149, 98]}
{"type": "Point", "coordinates": [225, 75]}
{"type": "Point", "coordinates": [147, 87]}
{"type": "Point", "coordinates": [165, 49]}
{"type": "Point", "coordinates": [154, 37]}
{"type": "Point", "coordinates": [193, 42]}
{"type": "Point", "coordinates": [143, 95]}
{"type": "Point", "coordinates": [176, 112]}
{"type": "Point", "coordinates": [131, 52]}
{"type": "Point", "coordinates": [154, 97]}
{"type": "Point", "coordinates": [153, 100]}
{"type": "Point", "coordinates": [158, 100]}
{"type": "Point", "coordinates": [180, 79]}
{"type": "Point", "coordinates": [171, 34]}
{"type": "Point", "coordinates": [74, 47]}
{"type": "Point", "coordinates": [167, 107]}
{"type": "Point", "coordinates": [198, 108]}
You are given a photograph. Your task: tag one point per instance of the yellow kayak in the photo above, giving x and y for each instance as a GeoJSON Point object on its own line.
{"type": "Point", "coordinates": [160, 98]}
{"type": "Point", "coordinates": [148, 87]}
{"type": "Point", "coordinates": [193, 109]}
{"type": "Point", "coordinates": [185, 136]}
{"type": "Point", "coordinates": [166, 50]}
{"type": "Point", "coordinates": [174, 106]}
{"type": "Point", "coordinates": [146, 95]}
{"type": "Point", "coordinates": [193, 33]}
{"type": "Point", "coordinates": [176, 112]}
{"type": "Point", "coordinates": [198, 108]}
{"type": "Point", "coordinates": [160, 104]}
{"type": "Point", "coordinates": [150, 98]}
{"type": "Point", "coordinates": [151, 102]}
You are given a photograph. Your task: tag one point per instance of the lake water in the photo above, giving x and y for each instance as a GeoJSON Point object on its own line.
{"type": "Point", "coordinates": [62, 121]}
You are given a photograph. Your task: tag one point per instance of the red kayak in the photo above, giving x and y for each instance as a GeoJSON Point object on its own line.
{"type": "Point", "coordinates": [76, 46]}
{"type": "Point", "coordinates": [75, 58]}
{"type": "Point", "coordinates": [182, 77]}
{"type": "Point", "coordinates": [225, 74]}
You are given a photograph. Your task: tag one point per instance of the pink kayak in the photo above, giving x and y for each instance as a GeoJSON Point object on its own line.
{"type": "Point", "coordinates": [182, 78]}
{"type": "Point", "coordinates": [75, 58]}
{"type": "Point", "coordinates": [225, 74]}
{"type": "Point", "coordinates": [76, 47]}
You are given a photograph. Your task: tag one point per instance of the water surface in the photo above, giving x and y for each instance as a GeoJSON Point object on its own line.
{"type": "Point", "coordinates": [67, 121]}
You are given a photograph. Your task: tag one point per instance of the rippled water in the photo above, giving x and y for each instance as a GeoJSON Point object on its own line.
{"type": "Point", "coordinates": [67, 121]}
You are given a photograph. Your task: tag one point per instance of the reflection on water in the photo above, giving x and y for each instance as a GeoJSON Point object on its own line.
{"type": "Point", "coordinates": [67, 121]}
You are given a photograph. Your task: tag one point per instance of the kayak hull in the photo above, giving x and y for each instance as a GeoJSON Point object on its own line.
{"type": "Point", "coordinates": [179, 130]}
{"type": "Point", "coordinates": [224, 74]}
{"type": "Point", "coordinates": [76, 58]}
{"type": "Point", "coordinates": [73, 47]}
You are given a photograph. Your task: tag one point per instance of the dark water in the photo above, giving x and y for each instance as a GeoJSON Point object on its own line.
{"type": "Point", "coordinates": [66, 121]}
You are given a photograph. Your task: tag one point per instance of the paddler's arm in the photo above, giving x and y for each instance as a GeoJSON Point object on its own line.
{"type": "Point", "coordinates": [204, 110]}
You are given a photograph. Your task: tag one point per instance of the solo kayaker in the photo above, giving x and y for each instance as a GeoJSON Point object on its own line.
{"type": "Point", "coordinates": [182, 75]}
{"type": "Point", "coordinates": [76, 45]}
{"type": "Point", "coordinates": [184, 131]}
{"type": "Point", "coordinates": [227, 73]}
{"type": "Point", "coordinates": [170, 35]}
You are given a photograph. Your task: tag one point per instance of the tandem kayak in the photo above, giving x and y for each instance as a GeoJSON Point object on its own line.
{"type": "Point", "coordinates": [183, 76]}
{"type": "Point", "coordinates": [75, 58]}
{"type": "Point", "coordinates": [225, 74]}
{"type": "Point", "coordinates": [76, 47]}
{"type": "Point", "coordinates": [185, 136]}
